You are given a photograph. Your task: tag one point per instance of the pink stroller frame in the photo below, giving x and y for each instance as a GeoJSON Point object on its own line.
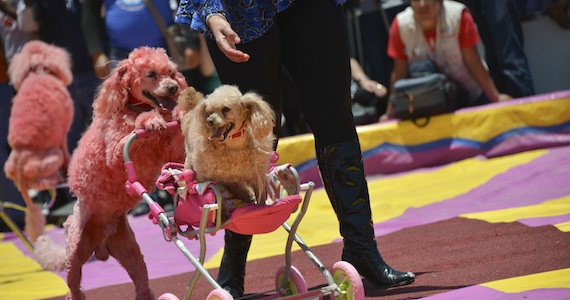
{"type": "Point", "coordinates": [198, 211]}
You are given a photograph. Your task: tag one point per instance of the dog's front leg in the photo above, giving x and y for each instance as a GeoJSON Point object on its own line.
{"type": "Point", "coordinates": [46, 165]}
{"type": "Point", "coordinates": [150, 120]}
{"type": "Point", "coordinates": [178, 113]}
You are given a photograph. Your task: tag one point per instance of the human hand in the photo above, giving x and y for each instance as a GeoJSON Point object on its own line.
{"type": "Point", "coordinates": [384, 117]}
{"type": "Point", "coordinates": [226, 38]}
{"type": "Point", "coordinates": [192, 58]}
{"type": "Point", "coordinates": [374, 87]}
{"type": "Point", "coordinates": [504, 97]}
{"type": "Point", "coordinates": [101, 65]}
{"type": "Point", "coordinates": [389, 114]}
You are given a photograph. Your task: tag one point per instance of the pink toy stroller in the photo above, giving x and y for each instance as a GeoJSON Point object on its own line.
{"type": "Point", "coordinates": [198, 210]}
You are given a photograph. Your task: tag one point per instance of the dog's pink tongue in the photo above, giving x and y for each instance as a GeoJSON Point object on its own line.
{"type": "Point", "coordinates": [218, 134]}
{"type": "Point", "coordinates": [166, 103]}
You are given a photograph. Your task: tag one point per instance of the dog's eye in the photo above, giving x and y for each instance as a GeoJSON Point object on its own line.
{"type": "Point", "coordinates": [225, 109]}
{"type": "Point", "coordinates": [151, 74]}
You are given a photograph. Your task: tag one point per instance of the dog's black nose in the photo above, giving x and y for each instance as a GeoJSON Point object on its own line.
{"type": "Point", "coordinates": [210, 121]}
{"type": "Point", "coordinates": [173, 89]}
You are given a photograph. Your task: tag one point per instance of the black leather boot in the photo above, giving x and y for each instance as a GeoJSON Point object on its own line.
{"type": "Point", "coordinates": [342, 172]}
{"type": "Point", "coordinates": [232, 269]}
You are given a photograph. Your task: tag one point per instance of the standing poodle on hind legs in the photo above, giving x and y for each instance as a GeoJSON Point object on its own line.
{"type": "Point", "coordinates": [141, 93]}
{"type": "Point", "coordinates": [40, 118]}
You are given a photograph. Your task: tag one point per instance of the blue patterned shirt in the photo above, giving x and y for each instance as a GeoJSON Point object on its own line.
{"type": "Point", "coordinates": [250, 19]}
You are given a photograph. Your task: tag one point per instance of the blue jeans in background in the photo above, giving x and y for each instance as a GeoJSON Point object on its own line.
{"type": "Point", "coordinates": [500, 28]}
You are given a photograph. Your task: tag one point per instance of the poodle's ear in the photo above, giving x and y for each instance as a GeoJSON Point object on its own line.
{"type": "Point", "coordinates": [114, 91]}
{"type": "Point", "coordinates": [199, 115]}
{"type": "Point", "coordinates": [194, 121]}
{"type": "Point", "coordinates": [261, 115]}
{"type": "Point", "coordinates": [18, 69]}
{"type": "Point", "coordinates": [189, 98]}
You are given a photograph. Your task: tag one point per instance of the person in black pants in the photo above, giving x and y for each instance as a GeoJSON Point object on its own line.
{"type": "Point", "coordinates": [500, 28]}
{"type": "Point", "coordinates": [309, 38]}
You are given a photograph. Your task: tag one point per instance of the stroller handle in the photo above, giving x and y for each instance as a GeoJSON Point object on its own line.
{"type": "Point", "coordinates": [129, 167]}
{"type": "Point", "coordinates": [142, 133]}
{"type": "Point", "coordinates": [169, 126]}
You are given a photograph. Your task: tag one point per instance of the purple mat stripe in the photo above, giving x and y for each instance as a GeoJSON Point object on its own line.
{"type": "Point", "coordinates": [162, 258]}
{"type": "Point", "coordinates": [389, 160]}
{"type": "Point", "coordinates": [480, 292]}
{"type": "Point", "coordinates": [453, 143]}
{"type": "Point", "coordinates": [536, 222]}
{"type": "Point", "coordinates": [542, 179]}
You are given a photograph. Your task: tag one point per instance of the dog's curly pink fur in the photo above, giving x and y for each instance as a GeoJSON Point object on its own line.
{"type": "Point", "coordinates": [40, 118]}
{"type": "Point", "coordinates": [229, 139]}
{"type": "Point", "coordinates": [139, 94]}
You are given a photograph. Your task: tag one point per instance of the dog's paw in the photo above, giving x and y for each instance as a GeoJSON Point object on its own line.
{"type": "Point", "coordinates": [150, 121]}
{"type": "Point", "coordinates": [50, 161]}
{"type": "Point", "coordinates": [178, 114]}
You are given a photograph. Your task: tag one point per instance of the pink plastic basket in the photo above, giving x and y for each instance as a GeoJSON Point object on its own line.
{"type": "Point", "coordinates": [255, 219]}
{"type": "Point", "coordinates": [249, 219]}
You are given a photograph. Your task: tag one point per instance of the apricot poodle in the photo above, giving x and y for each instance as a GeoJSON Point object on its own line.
{"type": "Point", "coordinates": [229, 139]}
{"type": "Point", "coordinates": [40, 118]}
{"type": "Point", "coordinates": [141, 93]}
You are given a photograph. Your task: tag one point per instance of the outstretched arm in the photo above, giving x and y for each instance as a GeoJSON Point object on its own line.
{"type": "Point", "coordinates": [226, 38]}
{"type": "Point", "coordinates": [93, 26]}
{"type": "Point", "coordinates": [399, 71]}
{"type": "Point", "coordinates": [473, 62]}
{"type": "Point", "coordinates": [370, 85]}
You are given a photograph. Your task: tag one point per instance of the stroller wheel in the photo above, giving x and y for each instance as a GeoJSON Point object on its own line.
{"type": "Point", "coordinates": [296, 283]}
{"type": "Point", "coordinates": [167, 296]}
{"type": "Point", "coordinates": [219, 294]}
{"type": "Point", "coordinates": [348, 281]}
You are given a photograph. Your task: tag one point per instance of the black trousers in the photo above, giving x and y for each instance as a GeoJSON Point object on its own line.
{"type": "Point", "coordinates": [310, 40]}
{"type": "Point", "coordinates": [499, 25]}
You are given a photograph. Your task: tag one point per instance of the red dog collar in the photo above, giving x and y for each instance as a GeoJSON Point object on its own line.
{"type": "Point", "coordinates": [239, 133]}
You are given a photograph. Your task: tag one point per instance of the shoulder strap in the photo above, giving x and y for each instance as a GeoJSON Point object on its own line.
{"type": "Point", "coordinates": [176, 55]}
{"type": "Point", "coordinates": [157, 17]}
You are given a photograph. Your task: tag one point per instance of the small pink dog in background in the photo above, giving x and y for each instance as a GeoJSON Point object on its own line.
{"type": "Point", "coordinates": [40, 118]}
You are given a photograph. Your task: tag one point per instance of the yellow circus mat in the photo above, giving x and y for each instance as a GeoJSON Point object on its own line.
{"type": "Point", "coordinates": [394, 196]}
{"type": "Point", "coordinates": [22, 278]}
{"type": "Point", "coordinates": [545, 280]}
